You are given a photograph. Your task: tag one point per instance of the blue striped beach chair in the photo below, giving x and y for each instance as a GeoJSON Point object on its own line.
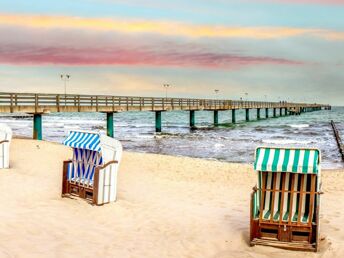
{"type": "Point", "coordinates": [285, 203]}
{"type": "Point", "coordinates": [92, 172]}
{"type": "Point", "coordinates": [5, 141]}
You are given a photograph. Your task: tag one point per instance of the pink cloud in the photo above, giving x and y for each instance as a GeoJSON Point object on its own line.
{"type": "Point", "coordinates": [78, 48]}
{"type": "Point", "coordinates": [35, 55]}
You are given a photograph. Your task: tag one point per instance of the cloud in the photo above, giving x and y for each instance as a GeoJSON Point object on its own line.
{"type": "Point", "coordinates": [166, 28]}
{"type": "Point", "coordinates": [37, 55]}
{"type": "Point", "coordinates": [27, 46]}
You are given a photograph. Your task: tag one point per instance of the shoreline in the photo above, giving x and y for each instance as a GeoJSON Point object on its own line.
{"type": "Point", "coordinates": [178, 156]}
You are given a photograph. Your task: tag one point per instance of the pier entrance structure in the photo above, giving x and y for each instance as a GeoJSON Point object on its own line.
{"type": "Point", "coordinates": [40, 104]}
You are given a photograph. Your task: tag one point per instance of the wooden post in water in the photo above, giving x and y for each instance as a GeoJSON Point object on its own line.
{"type": "Point", "coordinates": [216, 117]}
{"type": "Point", "coordinates": [37, 126]}
{"type": "Point", "coordinates": [158, 121]}
{"type": "Point", "coordinates": [233, 116]}
{"type": "Point", "coordinates": [247, 114]}
{"type": "Point", "coordinates": [192, 119]}
{"type": "Point", "coordinates": [266, 113]}
{"type": "Point", "coordinates": [274, 112]}
{"type": "Point", "coordinates": [109, 124]}
{"type": "Point", "coordinates": [338, 139]}
{"type": "Point", "coordinates": [258, 113]}
{"type": "Point", "coordinates": [281, 112]}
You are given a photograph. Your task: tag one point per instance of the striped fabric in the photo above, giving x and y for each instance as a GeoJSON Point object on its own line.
{"type": "Point", "coordinates": [273, 209]}
{"type": "Point", "coordinates": [83, 140]}
{"type": "Point", "coordinates": [83, 165]}
{"type": "Point", "coordinates": [306, 161]}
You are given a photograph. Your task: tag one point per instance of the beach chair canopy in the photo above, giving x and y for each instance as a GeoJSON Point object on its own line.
{"type": "Point", "coordinates": [305, 161]}
{"type": "Point", "coordinates": [83, 140]}
{"type": "Point", "coordinates": [91, 149]}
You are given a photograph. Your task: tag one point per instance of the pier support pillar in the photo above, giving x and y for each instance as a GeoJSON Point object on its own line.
{"type": "Point", "coordinates": [258, 113]}
{"type": "Point", "coordinates": [281, 112]}
{"type": "Point", "coordinates": [274, 112]}
{"type": "Point", "coordinates": [109, 124]}
{"type": "Point", "coordinates": [216, 117]}
{"type": "Point", "coordinates": [192, 119]}
{"type": "Point", "coordinates": [233, 116]}
{"type": "Point", "coordinates": [37, 126]}
{"type": "Point", "coordinates": [158, 121]}
{"type": "Point", "coordinates": [286, 111]}
{"type": "Point", "coordinates": [266, 113]}
{"type": "Point", "coordinates": [247, 114]}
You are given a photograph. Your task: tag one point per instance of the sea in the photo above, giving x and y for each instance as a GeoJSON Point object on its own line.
{"type": "Point", "coordinates": [227, 142]}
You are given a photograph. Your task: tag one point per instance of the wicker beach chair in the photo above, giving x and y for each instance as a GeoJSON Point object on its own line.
{"type": "Point", "coordinates": [285, 203]}
{"type": "Point", "coordinates": [5, 141]}
{"type": "Point", "coordinates": [92, 172]}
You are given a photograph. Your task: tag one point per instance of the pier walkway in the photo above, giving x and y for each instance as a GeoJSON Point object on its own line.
{"type": "Point", "coordinates": [39, 104]}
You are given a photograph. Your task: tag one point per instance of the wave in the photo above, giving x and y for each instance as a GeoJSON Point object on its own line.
{"type": "Point", "coordinates": [299, 126]}
{"type": "Point", "coordinates": [285, 141]}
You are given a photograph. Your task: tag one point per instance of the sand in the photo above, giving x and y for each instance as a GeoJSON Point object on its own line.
{"type": "Point", "coordinates": [167, 207]}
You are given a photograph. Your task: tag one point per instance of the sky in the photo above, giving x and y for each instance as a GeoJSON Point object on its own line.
{"type": "Point", "coordinates": [272, 50]}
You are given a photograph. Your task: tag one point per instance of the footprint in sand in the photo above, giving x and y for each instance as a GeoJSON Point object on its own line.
{"type": "Point", "coordinates": [227, 217]}
{"type": "Point", "coordinates": [325, 221]}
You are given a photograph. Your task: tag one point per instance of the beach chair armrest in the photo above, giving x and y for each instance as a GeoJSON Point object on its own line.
{"type": "Point", "coordinates": [3, 141]}
{"type": "Point", "coordinates": [254, 207]}
{"type": "Point", "coordinates": [108, 164]}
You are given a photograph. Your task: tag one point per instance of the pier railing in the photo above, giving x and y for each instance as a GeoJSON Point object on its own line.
{"type": "Point", "coordinates": [40, 103]}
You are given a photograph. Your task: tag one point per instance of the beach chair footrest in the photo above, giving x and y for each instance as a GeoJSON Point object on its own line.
{"type": "Point", "coordinates": [294, 245]}
{"type": "Point", "coordinates": [80, 191]}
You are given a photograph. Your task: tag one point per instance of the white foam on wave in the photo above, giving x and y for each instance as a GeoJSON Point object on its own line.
{"type": "Point", "coordinates": [285, 141]}
{"type": "Point", "coordinates": [218, 145]}
{"type": "Point", "coordinates": [299, 126]}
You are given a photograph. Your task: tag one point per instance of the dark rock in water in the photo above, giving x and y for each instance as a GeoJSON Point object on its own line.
{"type": "Point", "coordinates": [98, 127]}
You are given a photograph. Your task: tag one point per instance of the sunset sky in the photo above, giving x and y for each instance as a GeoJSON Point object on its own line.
{"type": "Point", "coordinates": [282, 49]}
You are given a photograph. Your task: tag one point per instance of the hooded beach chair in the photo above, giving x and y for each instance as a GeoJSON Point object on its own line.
{"type": "Point", "coordinates": [92, 172]}
{"type": "Point", "coordinates": [5, 141]}
{"type": "Point", "coordinates": [285, 203]}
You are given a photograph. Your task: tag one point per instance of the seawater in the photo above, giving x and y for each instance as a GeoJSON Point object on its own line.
{"type": "Point", "coordinates": [227, 142]}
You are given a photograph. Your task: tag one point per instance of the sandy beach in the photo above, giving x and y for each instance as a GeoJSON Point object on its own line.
{"type": "Point", "coordinates": [167, 207]}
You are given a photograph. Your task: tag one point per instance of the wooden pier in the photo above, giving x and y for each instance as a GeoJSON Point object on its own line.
{"type": "Point", "coordinates": [39, 104]}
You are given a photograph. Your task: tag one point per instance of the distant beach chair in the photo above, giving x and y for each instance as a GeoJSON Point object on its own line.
{"type": "Point", "coordinates": [285, 204]}
{"type": "Point", "coordinates": [92, 172]}
{"type": "Point", "coordinates": [5, 141]}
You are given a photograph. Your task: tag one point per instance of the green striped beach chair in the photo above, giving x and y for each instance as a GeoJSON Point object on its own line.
{"type": "Point", "coordinates": [285, 203]}
{"type": "Point", "coordinates": [92, 172]}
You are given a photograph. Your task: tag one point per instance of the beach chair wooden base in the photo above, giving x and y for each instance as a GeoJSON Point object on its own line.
{"type": "Point", "coordinates": [70, 188]}
{"type": "Point", "coordinates": [296, 246]}
{"type": "Point", "coordinates": [292, 237]}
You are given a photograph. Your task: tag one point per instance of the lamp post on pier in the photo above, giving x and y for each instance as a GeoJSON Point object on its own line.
{"type": "Point", "coordinates": [166, 86]}
{"type": "Point", "coordinates": [65, 78]}
{"type": "Point", "coordinates": [216, 92]}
